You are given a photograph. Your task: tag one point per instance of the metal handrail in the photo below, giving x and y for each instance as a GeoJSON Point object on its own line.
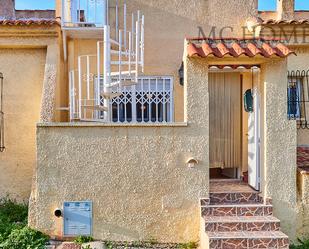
{"type": "Point", "coordinates": [2, 148]}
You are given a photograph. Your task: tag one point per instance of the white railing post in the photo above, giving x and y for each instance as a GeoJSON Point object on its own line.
{"type": "Point", "coordinates": [143, 43]}
{"type": "Point", "coordinates": [120, 60]}
{"type": "Point", "coordinates": [80, 78]}
{"type": "Point", "coordinates": [125, 25]}
{"type": "Point", "coordinates": [107, 71]}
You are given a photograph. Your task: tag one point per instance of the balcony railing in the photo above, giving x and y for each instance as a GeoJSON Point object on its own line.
{"type": "Point", "coordinates": [1, 115]}
{"type": "Point", "coordinates": [84, 13]}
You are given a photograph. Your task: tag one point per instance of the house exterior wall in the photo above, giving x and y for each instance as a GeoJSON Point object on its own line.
{"type": "Point", "coordinates": [136, 176]}
{"type": "Point", "coordinates": [23, 71]}
{"type": "Point", "coordinates": [23, 62]}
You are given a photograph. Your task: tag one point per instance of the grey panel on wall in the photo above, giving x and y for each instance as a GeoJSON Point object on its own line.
{"type": "Point", "coordinates": [77, 218]}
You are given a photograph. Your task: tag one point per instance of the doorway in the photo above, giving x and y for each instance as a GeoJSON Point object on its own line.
{"type": "Point", "coordinates": [234, 133]}
{"type": "Point", "coordinates": [225, 101]}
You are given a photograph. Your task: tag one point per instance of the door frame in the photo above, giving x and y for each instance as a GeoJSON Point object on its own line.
{"type": "Point", "coordinates": [254, 179]}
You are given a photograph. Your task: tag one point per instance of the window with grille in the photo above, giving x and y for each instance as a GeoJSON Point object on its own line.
{"type": "Point", "coordinates": [298, 98]}
{"type": "Point", "coordinates": [150, 101]}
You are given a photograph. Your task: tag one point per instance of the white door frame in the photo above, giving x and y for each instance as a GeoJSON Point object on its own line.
{"type": "Point", "coordinates": [254, 147]}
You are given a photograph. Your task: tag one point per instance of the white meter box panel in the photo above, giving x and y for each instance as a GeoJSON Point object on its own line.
{"type": "Point", "coordinates": [77, 218]}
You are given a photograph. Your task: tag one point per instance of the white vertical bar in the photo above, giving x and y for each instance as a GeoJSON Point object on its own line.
{"type": "Point", "coordinates": [171, 100]}
{"type": "Point", "coordinates": [98, 66]}
{"type": "Point", "coordinates": [143, 43]}
{"type": "Point", "coordinates": [88, 77]}
{"type": "Point", "coordinates": [117, 21]}
{"type": "Point", "coordinates": [107, 48]}
{"type": "Point", "coordinates": [95, 11]}
{"type": "Point", "coordinates": [157, 106]}
{"type": "Point", "coordinates": [130, 53]}
{"type": "Point", "coordinates": [63, 10]}
{"type": "Point", "coordinates": [142, 102]}
{"type": "Point", "coordinates": [71, 95]}
{"type": "Point", "coordinates": [79, 88]}
{"type": "Point", "coordinates": [137, 41]}
{"type": "Point", "coordinates": [150, 101]}
{"type": "Point", "coordinates": [78, 11]}
{"type": "Point", "coordinates": [134, 114]}
{"type": "Point", "coordinates": [107, 12]}
{"type": "Point", "coordinates": [164, 100]}
{"type": "Point", "coordinates": [87, 14]}
{"type": "Point", "coordinates": [120, 59]}
{"type": "Point", "coordinates": [133, 30]}
{"type": "Point", "coordinates": [125, 25]}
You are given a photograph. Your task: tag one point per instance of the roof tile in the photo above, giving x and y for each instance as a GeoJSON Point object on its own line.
{"type": "Point", "coordinates": [28, 22]}
{"type": "Point", "coordinates": [235, 47]}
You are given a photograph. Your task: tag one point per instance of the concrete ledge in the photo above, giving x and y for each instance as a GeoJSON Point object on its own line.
{"type": "Point", "coordinates": [95, 124]}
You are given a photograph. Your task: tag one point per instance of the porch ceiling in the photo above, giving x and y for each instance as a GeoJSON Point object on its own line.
{"type": "Point", "coordinates": [235, 48]}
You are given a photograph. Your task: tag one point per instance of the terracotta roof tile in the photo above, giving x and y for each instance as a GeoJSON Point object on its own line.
{"type": "Point", "coordinates": [235, 47]}
{"type": "Point", "coordinates": [28, 22]}
{"type": "Point", "coordinates": [284, 22]}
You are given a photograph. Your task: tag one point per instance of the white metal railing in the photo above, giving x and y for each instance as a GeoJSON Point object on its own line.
{"type": "Point", "coordinates": [117, 64]}
{"type": "Point", "coordinates": [84, 13]}
{"type": "Point", "coordinates": [149, 101]}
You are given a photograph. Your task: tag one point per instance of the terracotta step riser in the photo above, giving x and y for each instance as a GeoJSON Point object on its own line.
{"type": "Point", "coordinates": [249, 243]}
{"type": "Point", "coordinates": [237, 211]}
{"type": "Point", "coordinates": [234, 198]}
{"type": "Point", "coordinates": [242, 226]}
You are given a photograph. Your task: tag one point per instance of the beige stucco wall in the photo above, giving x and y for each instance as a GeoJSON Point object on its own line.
{"type": "Point", "coordinates": [23, 60]}
{"type": "Point", "coordinates": [136, 176]}
{"type": "Point", "coordinates": [279, 141]}
{"type": "Point", "coordinates": [303, 205]}
{"type": "Point", "coordinates": [23, 71]}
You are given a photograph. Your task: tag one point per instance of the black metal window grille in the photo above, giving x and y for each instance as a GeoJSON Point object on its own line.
{"type": "Point", "coordinates": [298, 97]}
{"type": "Point", "coordinates": [1, 115]}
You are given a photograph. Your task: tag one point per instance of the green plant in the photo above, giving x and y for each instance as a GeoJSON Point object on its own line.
{"type": "Point", "coordinates": [303, 244]}
{"type": "Point", "coordinates": [83, 239]}
{"type": "Point", "coordinates": [25, 238]}
{"type": "Point", "coordinates": [189, 245]}
{"type": "Point", "coordinates": [12, 216]}
{"type": "Point", "coordinates": [86, 247]}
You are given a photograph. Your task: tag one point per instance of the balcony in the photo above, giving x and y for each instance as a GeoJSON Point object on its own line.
{"type": "Point", "coordinates": [84, 18]}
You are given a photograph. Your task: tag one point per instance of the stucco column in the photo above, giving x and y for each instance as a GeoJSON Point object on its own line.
{"type": "Point", "coordinates": [279, 142]}
{"type": "Point", "coordinates": [49, 84]}
{"type": "Point", "coordinates": [196, 107]}
{"type": "Point", "coordinates": [285, 9]}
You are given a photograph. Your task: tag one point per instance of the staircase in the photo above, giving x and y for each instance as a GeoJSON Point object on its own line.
{"type": "Point", "coordinates": [240, 220]}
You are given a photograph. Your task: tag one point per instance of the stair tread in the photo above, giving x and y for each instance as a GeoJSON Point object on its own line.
{"type": "Point", "coordinates": [248, 235]}
{"type": "Point", "coordinates": [239, 205]}
{"type": "Point", "coordinates": [231, 219]}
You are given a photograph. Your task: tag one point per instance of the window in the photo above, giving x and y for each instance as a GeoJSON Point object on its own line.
{"type": "Point", "coordinates": [150, 101]}
{"type": "Point", "coordinates": [298, 97]}
{"type": "Point", "coordinates": [301, 5]}
{"type": "Point", "coordinates": [267, 5]}
{"type": "Point", "coordinates": [294, 98]}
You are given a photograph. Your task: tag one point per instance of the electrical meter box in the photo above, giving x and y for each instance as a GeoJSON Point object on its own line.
{"type": "Point", "coordinates": [77, 218]}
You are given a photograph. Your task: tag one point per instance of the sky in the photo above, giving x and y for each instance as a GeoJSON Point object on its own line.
{"type": "Point", "coordinates": [271, 4]}
{"type": "Point", "coordinates": [35, 4]}
{"type": "Point", "coordinates": [50, 4]}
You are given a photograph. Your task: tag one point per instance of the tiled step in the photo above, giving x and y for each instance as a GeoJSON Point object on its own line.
{"type": "Point", "coordinates": [248, 240]}
{"type": "Point", "coordinates": [241, 223]}
{"type": "Point", "coordinates": [237, 210]}
{"type": "Point", "coordinates": [234, 198]}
